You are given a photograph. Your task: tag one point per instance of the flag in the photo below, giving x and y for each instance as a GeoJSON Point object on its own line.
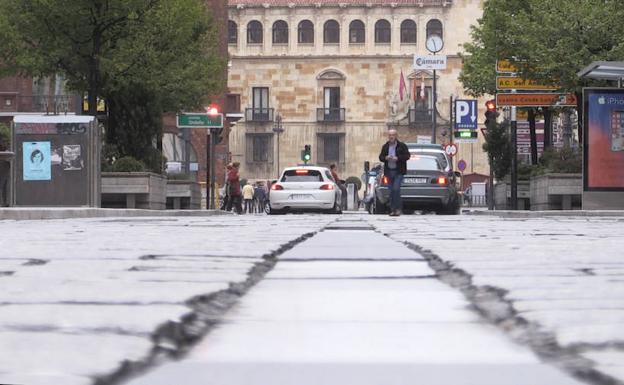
{"type": "Point", "coordinates": [413, 91]}
{"type": "Point", "coordinates": [402, 86]}
{"type": "Point", "coordinates": [422, 86]}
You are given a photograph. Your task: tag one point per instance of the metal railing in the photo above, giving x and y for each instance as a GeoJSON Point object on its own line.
{"type": "Point", "coordinates": [55, 104]}
{"type": "Point", "coordinates": [259, 114]}
{"type": "Point", "coordinates": [330, 114]}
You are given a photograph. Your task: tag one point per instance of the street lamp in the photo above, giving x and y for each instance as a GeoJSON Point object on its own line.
{"type": "Point", "coordinates": [278, 129]}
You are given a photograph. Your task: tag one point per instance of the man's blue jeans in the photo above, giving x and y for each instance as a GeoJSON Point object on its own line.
{"type": "Point", "coordinates": [395, 179]}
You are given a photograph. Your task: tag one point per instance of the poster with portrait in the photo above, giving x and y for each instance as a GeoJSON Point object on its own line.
{"type": "Point", "coordinates": [72, 157]}
{"type": "Point", "coordinates": [37, 161]}
{"type": "Point", "coordinates": [604, 139]}
{"type": "Point", "coordinates": [57, 156]}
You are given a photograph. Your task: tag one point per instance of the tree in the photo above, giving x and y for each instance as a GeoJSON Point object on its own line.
{"type": "Point", "coordinates": [169, 47]}
{"type": "Point", "coordinates": [550, 41]}
{"type": "Point", "coordinates": [498, 147]}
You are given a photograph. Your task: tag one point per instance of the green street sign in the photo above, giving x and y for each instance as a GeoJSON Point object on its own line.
{"type": "Point", "coordinates": [199, 120]}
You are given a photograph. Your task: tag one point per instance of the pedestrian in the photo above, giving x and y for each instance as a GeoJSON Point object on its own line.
{"type": "Point", "coordinates": [248, 194]}
{"type": "Point", "coordinates": [395, 155]}
{"type": "Point", "coordinates": [226, 203]}
{"type": "Point", "coordinates": [341, 185]}
{"type": "Point", "coordinates": [235, 188]}
{"type": "Point", "coordinates": [260, 196]}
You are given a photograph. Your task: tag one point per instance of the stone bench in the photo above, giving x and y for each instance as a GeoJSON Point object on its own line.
{"type": "Point", "coordinates": [502, 195]}
{"type": "Point", "coordinates": [556, 192]}
{"type": "Point", "coordinates": [143, 190]}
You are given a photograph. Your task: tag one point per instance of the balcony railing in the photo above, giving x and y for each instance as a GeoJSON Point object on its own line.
{"type": "Point", "coordinates": [420, 116]}
{"type": "Point", "coordinates": [330, 115]}
{"type": "Point", "coordinates": [58, 104]}
{"type": "Point", "coordinates": [259, 114]}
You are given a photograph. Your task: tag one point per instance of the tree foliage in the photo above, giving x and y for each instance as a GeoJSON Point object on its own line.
{"type": "Point", "coordinates": [498, 147]}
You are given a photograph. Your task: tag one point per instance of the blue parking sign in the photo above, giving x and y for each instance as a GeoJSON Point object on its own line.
{"type": "Point", "coordinates": [466, 114]}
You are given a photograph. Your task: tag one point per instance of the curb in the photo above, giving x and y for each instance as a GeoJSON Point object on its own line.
{"type": "Point", "coordinates": [542, 214]}
{"type": "Point", "coordinates": [23, 214]}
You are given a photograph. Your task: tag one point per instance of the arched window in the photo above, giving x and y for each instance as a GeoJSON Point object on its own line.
{"type": "Point", "coordinates": [357, 32]}
{"type": "Point", "coordinates": [434, 27]}
{"type": "Point", "coordinates": [232, 32]}
{"type": "Point", "coordinates": [408, 31]}
{"type": "Point", "coordinates": [331, 32]}
{"type": "Point", "coordinates": [382, 31]}
{"type": "Point", "coordinates": [305, 32]}
{"type": "Point", "coordinates": [254, 32]}
{"type": "Point", "coordinates": [280, 32]}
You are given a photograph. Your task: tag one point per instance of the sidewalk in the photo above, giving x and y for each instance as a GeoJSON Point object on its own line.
{"type": "Point", "coordinates": [39, 213]}
{"type": "Point", "coordinates": [350, 306]}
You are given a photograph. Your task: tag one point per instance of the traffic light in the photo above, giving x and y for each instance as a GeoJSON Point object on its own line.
{"type": "Point", "coordinates": [213, 109]}
{"type": "Point", "coordinates": [490, 111]}
{"type": "Point", "coordinates": [306, 154]}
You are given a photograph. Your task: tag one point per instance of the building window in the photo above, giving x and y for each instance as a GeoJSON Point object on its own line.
{"type": "Point", "coordinates": [382, 31]}
{"type": "Point", "coordinates": [254, 32]}
{"type": "Point", "coordinates": [357, 32]}
{"type": "Point", "coordinates": [408, 32]}
{"type": "Point", "coordinates": [232, 32]}
{"type": "Point", "coordinates": [434, 27]}
{"type": "Point", "coordinates": [306, 32]}
{"type": "Point", "coordinates": [331, 32]}
{"type": "Point", "coordinates": [330, 148]}
{"type": "Point", "coordinates": [260, 104]}
{"type": "Point", "coordinates": [280, 32]}
{"type": "Point", "coordinates": [259, 148]}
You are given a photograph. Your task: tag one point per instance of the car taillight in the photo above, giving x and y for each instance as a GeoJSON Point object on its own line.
{"type": "Point", "coordinates": [327, 187]}
{"type": "Point", "coordinates": [442, 180]}
{"type": "Point", "coordinates": [277, 187]}
{"type": "Point", "coordinates": [385, 181]}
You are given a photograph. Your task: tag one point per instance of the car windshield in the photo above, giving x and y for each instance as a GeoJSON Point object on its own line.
{"type": "Point", "coordinates": [302, 175]}
{"type": "Point", "coordinates": [438, 155]}
{"type": "Point", "coordinates": [420, 162]}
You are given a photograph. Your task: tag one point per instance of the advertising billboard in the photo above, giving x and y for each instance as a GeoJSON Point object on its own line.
{"type": "Point", "coordinates": [604, 139]}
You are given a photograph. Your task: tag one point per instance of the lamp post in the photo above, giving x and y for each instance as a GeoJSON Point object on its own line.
{"type": "Point", "coordinates": [278, 129]}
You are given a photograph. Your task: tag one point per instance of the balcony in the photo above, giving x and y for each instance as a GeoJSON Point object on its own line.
{"type": "Point", "coordinates": [420, 116]}
{"type": "Point", "coordinates": [330, 115]}
{"type": "Point", "coordinates": [259, 115]}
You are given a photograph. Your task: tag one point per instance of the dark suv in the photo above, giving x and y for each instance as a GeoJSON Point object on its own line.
{"type": "Point", "coordinates": [429, 185]}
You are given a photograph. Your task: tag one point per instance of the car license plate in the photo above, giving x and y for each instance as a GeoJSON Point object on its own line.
{"type": "Point", "coordinates": [301, 197]}
{"type": "Point", "coordinates": [415, 180]}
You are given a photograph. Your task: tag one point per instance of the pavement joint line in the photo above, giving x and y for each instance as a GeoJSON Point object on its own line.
{"type": "Point", "coordinates": [173, 340]}
{"type": "Point", "coordinates": [383, 260]}
{"type": "Point", "coordinates": [491, 303]}
{"type": "Point", "coordinates": [405, 277]}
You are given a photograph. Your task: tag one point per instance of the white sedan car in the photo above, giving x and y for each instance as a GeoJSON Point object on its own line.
{"type": "Point", "coordinates": [305, 188]}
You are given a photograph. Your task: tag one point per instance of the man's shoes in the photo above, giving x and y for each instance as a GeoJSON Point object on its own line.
{"type": "Point", "coordinates": [395, 213]}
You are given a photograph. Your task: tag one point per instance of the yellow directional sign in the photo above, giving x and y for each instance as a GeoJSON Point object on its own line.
{"type": "Point", "coordinates": [505, 65]}
{"type": "Point", "coordinates": [516, 83]}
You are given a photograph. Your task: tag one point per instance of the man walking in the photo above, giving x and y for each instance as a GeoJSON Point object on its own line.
{"type": "Point", "coordinates": [395, 155]}
{"type": "Point", "coordinates": [343, 189]}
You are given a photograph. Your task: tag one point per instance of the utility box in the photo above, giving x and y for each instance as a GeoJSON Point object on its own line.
{"type": "Point", "coordinates": [57, 161]}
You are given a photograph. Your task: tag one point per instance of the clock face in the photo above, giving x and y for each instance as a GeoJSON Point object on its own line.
{"type": "Point", "coordinates": [435, 43]}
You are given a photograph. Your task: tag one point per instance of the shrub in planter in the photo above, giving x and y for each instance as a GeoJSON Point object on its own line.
{"type": "Point", "coordinates": [5, 137]}
{"type": "Point", "coordinates": [564, 161]}
{"type": "Point", "coordinates": [128, 164]}
{"type": "Point", "coordinates": [354, 180]}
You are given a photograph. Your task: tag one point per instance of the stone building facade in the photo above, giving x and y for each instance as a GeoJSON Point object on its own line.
{"type": "Point", "coordinates": [331, 70]}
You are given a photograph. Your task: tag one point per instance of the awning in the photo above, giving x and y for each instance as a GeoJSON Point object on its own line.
{"type": "Point", "coordinates": [604, 70]}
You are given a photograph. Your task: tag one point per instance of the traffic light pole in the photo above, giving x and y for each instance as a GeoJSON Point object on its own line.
{"type": "Point", "coordinates": [435, 102]}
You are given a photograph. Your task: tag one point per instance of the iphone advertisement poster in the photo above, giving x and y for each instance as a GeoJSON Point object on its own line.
{"type": "Point", "coordinates": [604, 139]}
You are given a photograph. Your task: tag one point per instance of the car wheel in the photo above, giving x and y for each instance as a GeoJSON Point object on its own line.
{"type": "Point", "coordinates": [451, 209]}
{"type": "Point", "coordinates": [378, 207]}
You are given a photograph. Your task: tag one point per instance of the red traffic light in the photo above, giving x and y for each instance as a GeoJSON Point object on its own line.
{"type": "Point", "coordinates": [213, 109]}
{"type": "Point", "coordinates": [491, 105]}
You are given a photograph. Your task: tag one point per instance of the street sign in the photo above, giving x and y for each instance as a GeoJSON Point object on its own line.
{"type": "Point", "coordinates": [536, 100]}
{"type": "Point", "coordinates": [461, 165]}
{"type": "Point", "coordinates": [516, 83]}
{"type": "Point", "coordinates": [466, 114]}
{"type": "Point", "coordinates": [465, 136]}
{"type": "Point", "coordinates": [450, 149]}
{"type": "Point", "coordinates": [199, 120]}
{"type": "Point", "coordinates": [429, 62]}
{"type": "Point", "coordinates": [506, 66]}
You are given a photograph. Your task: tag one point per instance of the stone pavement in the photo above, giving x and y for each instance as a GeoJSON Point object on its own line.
{"type": "Point", "coordinates": [554, 283]}
{"type": "Point", "coordinates": [350, 306]}
{"type": "Point", "coordinates": [77, 297]}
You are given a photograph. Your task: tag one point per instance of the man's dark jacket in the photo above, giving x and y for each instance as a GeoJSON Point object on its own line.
{"type": "Point", "coordinates": [402, 152]}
